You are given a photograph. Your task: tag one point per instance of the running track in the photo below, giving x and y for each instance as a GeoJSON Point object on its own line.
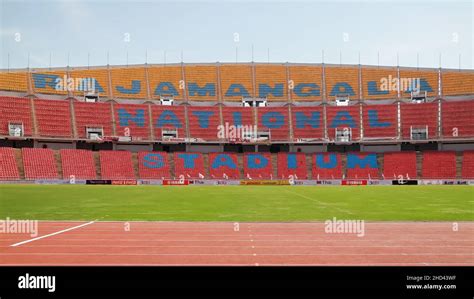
{"type": "Point", "coordinates": [249, 244]}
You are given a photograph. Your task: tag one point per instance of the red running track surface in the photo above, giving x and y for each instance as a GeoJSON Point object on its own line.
{"type": "Point", "coordinates": [248, 244]}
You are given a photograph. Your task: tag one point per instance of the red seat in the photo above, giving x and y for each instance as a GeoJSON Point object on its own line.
{"type": "Point", "coordinates": [15, 110]}
{"type": "Point", "coordinates": [439, 165]}
{"type": "Point", "coordinates": [78, 163]}
{"type": "Point", "coordinates": [8, 167]}
{"type": "Point", "coordinates": [190, 165]}
{"type": "Point", "coordinates": [399, 164]}
{"type": "Point", "coordinates": [153, 165]}
{"type": "Point", "coordinates": [258, 166]}
{"type": "Point", "coordinates": [327, 166]}
{"type": "Point", "coordinates": [116, 165]}
{"type": "Point", "coordinates": [53, 118]}
{"type": "Point", "coordinates": [39, 163]}
{"type": "Point", "coordinates": [468, 165]}
{"type": "Point", "coordinates": [292, 164]}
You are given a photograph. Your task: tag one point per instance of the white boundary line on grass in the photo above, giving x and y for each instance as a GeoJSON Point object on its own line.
{"type": "Point", "coordinates": [52, 234]}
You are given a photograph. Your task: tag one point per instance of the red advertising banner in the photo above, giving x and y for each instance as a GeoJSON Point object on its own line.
{"type": "Point", "coordinates": [354, 182]}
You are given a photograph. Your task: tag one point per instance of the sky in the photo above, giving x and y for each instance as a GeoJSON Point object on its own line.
{"type": "Point", "coordinates": [58, 33]}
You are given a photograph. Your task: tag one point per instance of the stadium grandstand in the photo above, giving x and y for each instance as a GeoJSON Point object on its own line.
{"type": "Point", "coordinates": [308, 121]}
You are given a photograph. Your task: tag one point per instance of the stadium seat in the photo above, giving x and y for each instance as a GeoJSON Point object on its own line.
{"type": "Point", "coordinates": [53, 118]}
{"type": "Point", "coordinates": [373, 79]}
{"type": "Point", "coordinates": [380, 122]}
{"type": "Point", "coordinates": [190, 165]}
{"type": "Point", "coordinates": [15, 110]}
{"type": "Point", "coordinates": [327, 166]}
{"type": "Point", "coordinates": [428, 81]}
{"type": "Point", "coordinates": [201, 82]}
{"type": "Point", "coordinates": [129, 82]}
{"type": "Point", "coordinates": [457, 83]}
{"type": "Point", "coordinates": [39, 163]}
{"type": "Point", "coordinates": [457, 119]}
{"type": "Point", "coordinates": [224, 166]}
{"type": "Point", "coordinates": [307, 82]}
{"type": "Point", "coordinates": [93, 115]}
{"type": "Point", "coordinates": [132, 120]}
{"type": "Point", "coordinates": [236, 82]}
{"type": "Point", "coordinates": [166, 81]}
{"type": "Point", "coordinates": [101, 77]}
{"type": "Point", "coordinates": [78, 163]}
{"type": "Point", "coordinates": [468, 165]}
{"type": "Point", "coordinates": [237, 116]}
{"type": "Point", "coordinates": [168, 118]}
{"type": "Point", "coordinates": [343, 118]}
{"type": "Point", "coordinates": [362, 166]}
{"type": "Point", "coordinates": [275, 121]}
{"type": "Point", "coordinates": [398, 164]}
{"type": "Point", "coordinates": [342, 80]}
{"type": "Point", "coordinates": [270, 81]}
{"type": "Point", "coordinates": [203, 122]}
{"type": "Point", "coordinates": [308, 122]}
{"type": "Point", "coordinates": [153, 165]}
{"type": "Point", "coordinates": [8, 167]}
{"type": "Point", "coordinates": [419, 116]}
{"type": "Point", "coordinates": [116, 165]}
{"type": "Point", "coordinates": [258, 166]}
{"type": "Point", "coordinates": [292, 164]}
{"type": "Point", "coordinates": [14, 81]}
{"type": "Point", "coordinates": [439, 165]}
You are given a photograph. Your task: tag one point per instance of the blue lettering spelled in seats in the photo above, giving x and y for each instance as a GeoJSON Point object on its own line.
{"type": "Point", "coordinates": [302, 120]}
{"type": "Point", "coordinates": [342, 87]}
{"type": "Point", "coordinates": [135, 89]}
{"type": "Point", "coordinates": [188, 160]}
{"type": "Point", "coordinates": [153, 161]}
{"type": "Point", "coordinates": [203, 118]}
{"type": "Point", "coordinates": [374, 120]}
{"type": "Point", "coordinates": [291, 162]}
{"type": "Point", "coordinates": [373, 89]}
{"type": "Point", "coordinates": [208, 90]}
{"type": "Point", "coordinates": [168, 118]}
{"type": "Point", "coordinates": [343, 119]}
{"type": "Point", "coordinates": [265, 89]}
{"type": "Point", "coordinates": [256, 161]}
{"type": "Point", "coordinates": [125, 117]}
{"type": "Point", "coordinates": [332, 163]}
{"type": "Point", "coordinates": [370, 161]}
{"type": "Point", "coordinates": [307, 90]}
{"type": "Point", "coordinates": [223, 160]}
{"type": "Point", "coordinates": [237, 116]}
{"type": "Point", "coordinates": [166, 89]}
{"type": "Point", "coordinates": [237, 90]}
{"type": "Point", "coordinates": [273, 120]}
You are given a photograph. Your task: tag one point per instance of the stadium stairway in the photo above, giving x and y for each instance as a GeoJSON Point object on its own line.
{"type": "Point", "coordinates": [275, 166]}
{"type": "Point", "coordinates": [309, 169]}
{"type": "Point", "coordinates": [381, 164]}
{"type": "Point", "coordinates": [459, 160]}
{"type": "Point", "coordinates": [171, 161]}
{"type": "Point", "coordinates": [135, 165]}
{"type": "Point", "coordinates": [57, 158]}
{"type": "Point", "coordinates": [97, 164]}
{"type": "Point", "coordinates": [419, 164]}
{"type": "Point", "coordinates": [206, 166]}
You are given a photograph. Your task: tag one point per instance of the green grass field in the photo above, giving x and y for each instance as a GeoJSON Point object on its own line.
{"type": "Point", "coordinates": [237, 203]}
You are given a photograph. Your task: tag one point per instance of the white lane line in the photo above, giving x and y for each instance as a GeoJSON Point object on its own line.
{"type": "Point", "coordinates": [52, 234]}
